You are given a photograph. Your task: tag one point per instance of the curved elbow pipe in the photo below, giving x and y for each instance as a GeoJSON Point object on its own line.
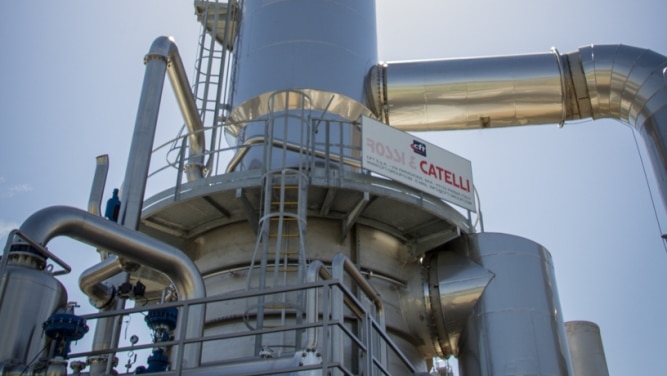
{"type": "Point", "coordinates": [91, 282]}
{"type": "Point", "coordinates": [606, 81]}
{"type": "Point", "coordinates": [54, 221]}
{"type": "Point", "coordinates": [630, 84]}
{"type": "Point", "coordinates": [134, 246]}
{"type": "Point", "coordinates": [162, 58]}
{"type": "Point", "coordinates": [164, 48]}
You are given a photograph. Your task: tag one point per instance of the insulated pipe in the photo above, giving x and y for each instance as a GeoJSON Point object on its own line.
{"type": "Point", "coordinates": [162, 58]}
{"type": "Point", "coordinates": [91, 282]}
{"type": "Point", "coordinates": [607, 81]}
{"type": "Point", "coordinates": [134, 246]}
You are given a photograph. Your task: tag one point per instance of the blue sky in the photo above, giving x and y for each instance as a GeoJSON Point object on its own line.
{"type": "Point", "coordinates": [70, 78]}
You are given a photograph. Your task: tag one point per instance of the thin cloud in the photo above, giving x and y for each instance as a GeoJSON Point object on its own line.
{"type": "Point", "coordinates": [8, 192]}
{"type": "Point", "coordinates": [20, 188]}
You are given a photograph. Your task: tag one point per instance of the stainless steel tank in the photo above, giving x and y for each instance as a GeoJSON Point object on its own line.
{"type": "Point", "coordinates": [28, 297]}
{"type": "Point", "coordinates": [516, 328]}
{"type": "Point", "coordinates": [586, 350]}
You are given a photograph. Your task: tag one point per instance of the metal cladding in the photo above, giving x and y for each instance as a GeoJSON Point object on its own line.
{"type": "Point", "coordinates": [586, 350]}
{"type": "Point", "coordinates": [600, 81]}
{"type": "Point", "coordinates": [469, 93]}
{"type": "Point", "coordinates": [452, 285]}
{"type": "Point", "coordinates": [516, 328]}
{"type": "Point", "coordinates": [630, 84]}
{"type": "Point", "coordinates": [28, 297]}
{"type": "Point", "coordinates": [321, 48]}
{"type": "Point", "coordinates": [399, 289]}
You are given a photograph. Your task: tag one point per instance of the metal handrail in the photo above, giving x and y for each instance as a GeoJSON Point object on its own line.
{"type": "Point", "coordinates": [329, 282]}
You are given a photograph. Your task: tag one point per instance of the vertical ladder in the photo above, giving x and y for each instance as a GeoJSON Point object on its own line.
{"type": "Point", "coordinates": [280, 259]}
{"type": "Point", "coordinates": [212, 74]}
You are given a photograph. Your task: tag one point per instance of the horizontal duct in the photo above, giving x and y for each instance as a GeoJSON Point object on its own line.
{"type": "Point", "coordinates": [605, 81]}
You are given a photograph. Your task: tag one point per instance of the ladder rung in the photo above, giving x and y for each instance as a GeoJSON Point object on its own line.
{"type": "Point", "coordinates": [284, 252]}
{"type": "Point", "coordinates": [285, 186]}
{"type": "Point", "coordinates": [290, 203]}
{"type": "Point", "coordinates": [284, 235]}
{"type": "Point", "coordinates": [278, 306]}
{"type": "Point", "coordinates": [284, 269]}
{"type": "Point", "coordinates": [283, 218]}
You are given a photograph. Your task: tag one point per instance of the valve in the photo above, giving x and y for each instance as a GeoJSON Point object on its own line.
{"type": "Point", "coordinates": [64, 328]}
{"type": "Point", "coordinates": [157, 362]}
{"type": "Point", "coordinates": [161, 321]}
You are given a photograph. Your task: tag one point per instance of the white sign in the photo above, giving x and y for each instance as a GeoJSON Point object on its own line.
{"type": "Point", "coordinates": [412, 161]}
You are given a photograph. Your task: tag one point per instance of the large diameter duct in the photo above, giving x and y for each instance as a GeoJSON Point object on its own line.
{"type": "Point", "coordinates": [516, 327]}
{"type": "Point", "coordinates": [605, 81]}
{"type": "Point", "coordinates": [437, 304]}
{"type": "Point", "coordinates": [136, 247]}
{"type": "Point", "coordinates": [469, 93]}
{"type": "Point", "coordinates": [586, 350]}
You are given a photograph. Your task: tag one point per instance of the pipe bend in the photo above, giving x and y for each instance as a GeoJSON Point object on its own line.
{"type": "Point", "coordinates": [91, 282]}
{"type": "Point", "coordinates": [54, 221]}
{"type": "Point", "coordinates": [621, 80]}
{"type": "Point", "coordinates": [165, 49]}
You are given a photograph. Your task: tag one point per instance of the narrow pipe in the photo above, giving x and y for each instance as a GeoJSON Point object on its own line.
{"type": "Point", "coordinates": [606, 81]}
{"type": "Point", "coordinates": [342, 264]}
{"type": "Point", "coordinates": [165, 48]}
{"type": "Point", "coordinates": [97, 188]}
{"type": "Point", "coordinates": [54, 221]}
{"type": "Point", "coordinates": [162, 58]}
{"type": "Point", "coordinates": [315, 270]}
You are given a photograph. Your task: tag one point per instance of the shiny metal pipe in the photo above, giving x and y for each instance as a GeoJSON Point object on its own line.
{"type": "Point", "coordinates": [165, 48]}
{"type": "Point", "coordinates": [91, 282]}
{"type": "Point", "coordinates": [606, 81]}
{"type": "Point", "coordinates": [47, 223]}
{"type": "Point", "coordinates": [468, 93]}
{"type": "Point", "coordinates": [162, 58]}
{"type": "Point", "coordinates": [452, 286]}
{"type": "Point", "coordinates": [340, 265]}
{"type": "Point", "coordinates": [586, 350]}
{"type": "Point", "coordinates": [134, 246]}
{"type": "Point", "coordinates": [630, 84]}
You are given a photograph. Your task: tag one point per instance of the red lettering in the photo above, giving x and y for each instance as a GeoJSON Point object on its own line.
{"type": "Point", "coordinates": [371, 144]}
{"type": "Point", "coordinates": [441, 173]}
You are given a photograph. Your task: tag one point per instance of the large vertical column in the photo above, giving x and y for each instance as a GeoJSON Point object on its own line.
{"type": "Point", "coordinates": [323, 49]}
{"type": "Point", "coordinates": [305, 44]}
{"type": "Point", "coordinates": [516, 328]}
